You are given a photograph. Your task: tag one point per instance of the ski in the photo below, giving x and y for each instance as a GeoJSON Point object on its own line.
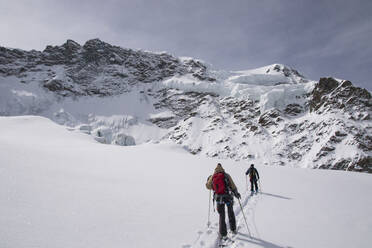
{"type": "Point", "coordinates": [226, 241]}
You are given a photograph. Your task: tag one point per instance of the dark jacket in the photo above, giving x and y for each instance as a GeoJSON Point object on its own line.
{"type": "Point", "coordinates": [253, 173]}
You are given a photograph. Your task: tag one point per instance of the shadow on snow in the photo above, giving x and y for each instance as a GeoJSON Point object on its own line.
{"type": "Point", "coordinates": [260, 242]}
{"type": "Point", "coordinates": [278, 196]}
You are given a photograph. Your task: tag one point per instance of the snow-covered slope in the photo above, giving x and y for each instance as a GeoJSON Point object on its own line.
{"type": "Point", "coordinates": [60, 188]}
{"type": "Point", "coordinates": [271, 114]}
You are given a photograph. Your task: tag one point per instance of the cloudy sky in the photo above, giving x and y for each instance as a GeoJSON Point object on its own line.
{"type": "Point", "coordinates": [318, 38]}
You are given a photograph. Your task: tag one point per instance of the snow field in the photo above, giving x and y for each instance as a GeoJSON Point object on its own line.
{"type": "Point", "coordinates": [60, 188]}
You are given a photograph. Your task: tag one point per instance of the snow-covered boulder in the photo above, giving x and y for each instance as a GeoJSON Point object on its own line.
{"type": "Point", "coordinates": [122, 139]}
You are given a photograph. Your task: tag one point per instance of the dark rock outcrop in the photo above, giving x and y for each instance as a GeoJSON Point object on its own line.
{"type": "Point", "coordinates": [117, 68]}
{"type": "Point", "coordinates": [329, 95]}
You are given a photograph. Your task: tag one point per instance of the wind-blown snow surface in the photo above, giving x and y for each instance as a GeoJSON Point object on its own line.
{"type": "Point", "coordinates": [60, 188]}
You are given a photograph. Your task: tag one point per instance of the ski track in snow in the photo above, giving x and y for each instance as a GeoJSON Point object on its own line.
{"type": "Point", "coordinates": [209, 237]}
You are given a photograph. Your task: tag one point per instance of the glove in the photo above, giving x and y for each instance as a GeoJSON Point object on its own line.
{"type": "Point", "coordinates": [237, 195]}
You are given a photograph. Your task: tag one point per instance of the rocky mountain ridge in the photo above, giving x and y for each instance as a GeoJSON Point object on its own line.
{"type": "Point", "coordinates": [271, 115]}
{"type": "Point", "coordinates": [122, 68]}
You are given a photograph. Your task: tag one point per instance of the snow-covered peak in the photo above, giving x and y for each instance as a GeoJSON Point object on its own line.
{"type": "Point", "coordinates": [272, 114]}
{"type": "Point", "coordinates": [275, 69]}
{"type": "Point", "coordinates": [270, 75]}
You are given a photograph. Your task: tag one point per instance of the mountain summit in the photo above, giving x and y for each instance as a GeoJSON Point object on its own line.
{"type": "Point", "coordinates": [270, 115]}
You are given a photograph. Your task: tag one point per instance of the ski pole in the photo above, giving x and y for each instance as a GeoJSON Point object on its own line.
{"type": "Point", "coordinates": [246, 183]}
{"type": "Point", "coordinates": [259, 181]}
{"type": "Point", "coordinates": [246, 224]}
{"type": "Point", "coordinates": [209, 209]}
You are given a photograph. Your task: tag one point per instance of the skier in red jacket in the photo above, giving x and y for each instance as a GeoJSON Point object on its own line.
{"type": "Point", "coordinates": [224, 189]}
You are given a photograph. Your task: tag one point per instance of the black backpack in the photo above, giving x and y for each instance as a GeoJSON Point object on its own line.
{"type": "Point", "coordinates": [252, 173]}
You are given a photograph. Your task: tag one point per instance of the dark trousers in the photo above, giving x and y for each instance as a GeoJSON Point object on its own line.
{"type": "Point", "coordinates": [254, 184]}
{"type": "Point", "coordinates": [230, 212]}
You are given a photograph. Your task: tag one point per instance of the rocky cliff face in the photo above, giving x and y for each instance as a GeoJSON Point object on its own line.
{"type": "Point", "coordinates": [96, 68]}
{"type": "Point", "coordinates": [270, 115]}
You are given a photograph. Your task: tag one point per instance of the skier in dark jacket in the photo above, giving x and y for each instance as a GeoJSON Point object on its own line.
{"type": "Point", "coordinates": [253, 177]}
{"type": "Point", "coordinates": [223, 196]}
